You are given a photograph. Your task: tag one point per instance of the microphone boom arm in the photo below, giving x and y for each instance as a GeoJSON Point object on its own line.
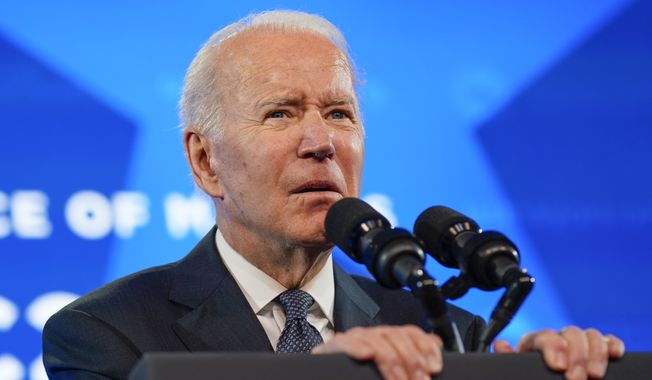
{"type": "Point", "coordinates": [426, 290]}
{"type": "Point", "coordinates": [393, 267]}
{"type": "Point", "coordinates": [519, 285]}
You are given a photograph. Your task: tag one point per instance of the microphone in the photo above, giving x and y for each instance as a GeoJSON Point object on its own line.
{"type": "Point", "coordinates": [393, 256]}
{"type": "Point", "coordinates": [488, 260]}
{"type": "Point", "coordinates": [366, 236]}
{"type": "Point", "coordinates": [456, 241]}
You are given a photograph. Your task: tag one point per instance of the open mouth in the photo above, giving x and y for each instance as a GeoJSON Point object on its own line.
{"type": "Point", "coordinates": [315, 187]}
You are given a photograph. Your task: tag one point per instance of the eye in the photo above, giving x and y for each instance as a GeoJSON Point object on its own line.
{"type": "Point", "coordinates": [276, 115]}
{"type": "Point", "coordinates": [338, 114]}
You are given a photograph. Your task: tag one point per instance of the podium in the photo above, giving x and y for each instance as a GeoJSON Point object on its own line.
{"type": "Point", "coordinates": [245, 366]}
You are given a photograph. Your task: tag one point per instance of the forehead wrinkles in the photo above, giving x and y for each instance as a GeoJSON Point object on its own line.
{"type": "Point", "coordinates": [259, 58]}
{"type": "Point", "coordinates": [338, 81]}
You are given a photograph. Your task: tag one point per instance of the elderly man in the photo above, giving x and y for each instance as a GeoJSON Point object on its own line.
{"type": "Point", "coordinates": [273, 135]}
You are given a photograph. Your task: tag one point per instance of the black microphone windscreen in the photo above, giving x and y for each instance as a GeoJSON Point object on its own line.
{"type": "Point", "coordinates": [433, 227]}
{"type": "Point", "coordinates": [343, 219]}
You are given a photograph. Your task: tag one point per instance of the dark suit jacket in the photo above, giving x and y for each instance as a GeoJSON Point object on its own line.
{"type": "Point", "coordinates": [195, 305]}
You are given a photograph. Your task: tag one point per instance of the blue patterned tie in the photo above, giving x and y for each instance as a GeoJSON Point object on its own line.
{"type": "Point", "coordinates": [298, 336]}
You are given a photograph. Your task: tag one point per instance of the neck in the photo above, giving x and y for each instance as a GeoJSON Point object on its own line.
{"type": "Point", "coordinates": [291, 265]}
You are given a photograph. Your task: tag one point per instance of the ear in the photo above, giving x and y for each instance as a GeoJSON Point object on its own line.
{"type": "Point", "coordinates": [198, 153]}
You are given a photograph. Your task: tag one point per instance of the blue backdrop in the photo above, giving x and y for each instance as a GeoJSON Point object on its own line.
{"type": "Point", "coordinates": [532, 117]}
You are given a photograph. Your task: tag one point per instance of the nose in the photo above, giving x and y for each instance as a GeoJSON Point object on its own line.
{"type": "Point", "coordinates": [317, 138]}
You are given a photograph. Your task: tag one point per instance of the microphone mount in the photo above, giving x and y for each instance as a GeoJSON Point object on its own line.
{"type": "Point", "coordinates": [487, 260]}
{"type": "Point", "coordinates": [394, 257]}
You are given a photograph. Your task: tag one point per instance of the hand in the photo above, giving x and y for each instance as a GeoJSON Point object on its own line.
{"type": "Point", "coordinates": [578, 353]}
{"type": "Point", "coordinates": [400, 352]}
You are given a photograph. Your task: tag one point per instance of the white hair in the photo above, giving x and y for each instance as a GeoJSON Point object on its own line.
{"type": "Point", "coordinates": [200, 103]}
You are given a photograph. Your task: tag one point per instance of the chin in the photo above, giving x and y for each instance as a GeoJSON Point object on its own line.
{"type": "Point", "coordinates": [306, 228]}
{"type": "Point", "coordinates": [314, 239]}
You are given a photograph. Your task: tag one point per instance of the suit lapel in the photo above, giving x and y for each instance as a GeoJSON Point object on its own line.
{"type": "Point", "coordinates": [353, 307]}
{"type": "Point", "coordinates": [220, 318]}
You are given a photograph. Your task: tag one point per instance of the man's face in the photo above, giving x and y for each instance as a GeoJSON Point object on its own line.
{"type": "Point", "coordinates": [292, 142]}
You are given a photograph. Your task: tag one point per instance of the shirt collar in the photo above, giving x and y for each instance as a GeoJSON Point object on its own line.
{"type": "Point", "coordinates": [260, 289]}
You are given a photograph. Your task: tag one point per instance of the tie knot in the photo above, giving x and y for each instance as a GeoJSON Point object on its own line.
{"type": "Point", "coordinates": [296, 303]}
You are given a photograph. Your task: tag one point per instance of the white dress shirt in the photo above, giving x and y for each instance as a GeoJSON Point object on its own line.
{"type": "Point", "coordinates": [260, 290]}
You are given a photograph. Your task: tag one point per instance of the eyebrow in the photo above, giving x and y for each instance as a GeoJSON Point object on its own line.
{"type": "Point", "coordinates": [281, 101]}
{"type": "Point", "coordinates": [340, 101]}
{"type": "Point", "coordinates": [299, 100]}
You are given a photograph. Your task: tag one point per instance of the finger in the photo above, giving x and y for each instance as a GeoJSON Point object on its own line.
{"type": "Point", "coordinates": [598, 353]}
{"type": "Point", "coordinates": [577, 353]}
{"type": "Point", "coordinates": [385, 356]}
{"type": "Point", "coordinates": [405, 340]}
{"type": "Point", "coordinates": [615, 346]}
{"type": "Point", "coordinates": [550, 344]}
{"type": "Point", "coordinates": [348, 344]}
{"type": "Point", "coordinates": [366, 344]}
{"type": "Point", "coordinates": [502, 347]}
{"type": "Point", "coordinates": [430, 345]}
